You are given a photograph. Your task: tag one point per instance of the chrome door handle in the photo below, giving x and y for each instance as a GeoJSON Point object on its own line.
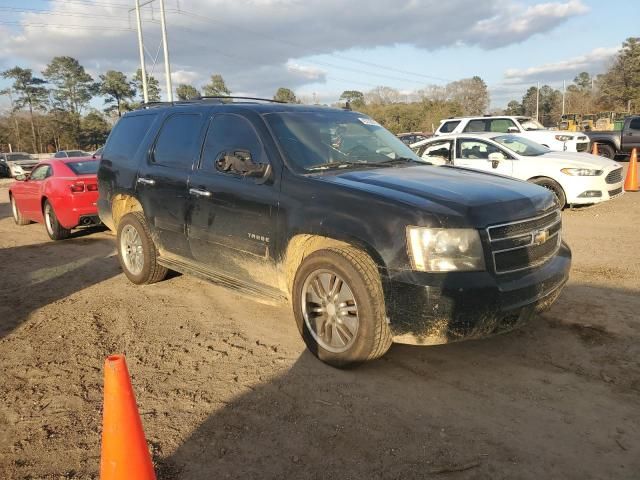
{"type": "Point", "coordinates": [146, 181]}
{"type": "Point", "coordinates": [199, 193]}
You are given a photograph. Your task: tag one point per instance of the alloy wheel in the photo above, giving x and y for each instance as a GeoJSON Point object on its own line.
{"type": "Point", "coordinates": [330, 310]}
{"type": "Point", "coordinates": [131, 249]}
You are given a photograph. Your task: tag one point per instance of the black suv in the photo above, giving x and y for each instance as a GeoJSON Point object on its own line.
{"type": "Point", "coordinates": [328, 210]}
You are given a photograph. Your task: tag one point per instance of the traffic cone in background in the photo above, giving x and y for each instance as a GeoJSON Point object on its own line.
{"type": "Point", "coordinates": [124, 452]}
{"type": "Point", "coordinates": [631, 182]}
{"type": "Point", "coordinates": [594, 150]}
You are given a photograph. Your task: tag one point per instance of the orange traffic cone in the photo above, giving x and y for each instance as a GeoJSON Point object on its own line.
{"type": "Point", "coordinates": [594, 150]}
{"type": "Point", "coordinates": [631, 182]}
{"type": "Point", "coordinates": [124, 449]}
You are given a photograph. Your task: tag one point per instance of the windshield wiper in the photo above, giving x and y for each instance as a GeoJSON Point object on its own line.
{"type": "Point", "coordinates": [334, 165]}
{"type": "Point", "coordinates": [392, 161]}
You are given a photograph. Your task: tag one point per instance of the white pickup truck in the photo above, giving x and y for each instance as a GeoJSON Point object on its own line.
{"type": "Point", "coordinates": [575, 178]}
{"type": "Point", "coordinates": [559, 141]}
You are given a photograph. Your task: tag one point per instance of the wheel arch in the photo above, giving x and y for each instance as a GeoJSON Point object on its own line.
{"type": "Point", "coordinates": [121, 205]}
{"type": "Point", "coordinates": [301, 245]}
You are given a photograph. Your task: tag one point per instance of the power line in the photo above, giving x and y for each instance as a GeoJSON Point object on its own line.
{"type": "Point", "coordinates": [70, 27]}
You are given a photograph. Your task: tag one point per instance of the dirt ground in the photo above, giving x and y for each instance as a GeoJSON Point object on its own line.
{"type": "Point", "coordinates": [226, 389]}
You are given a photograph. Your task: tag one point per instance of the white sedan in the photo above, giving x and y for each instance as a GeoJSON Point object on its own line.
{"type": "Point", "coordinates": [575, 178]}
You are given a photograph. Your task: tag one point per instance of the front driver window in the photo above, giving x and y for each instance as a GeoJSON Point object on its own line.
{"type": "Point", "coordinates": [476, 150]}
{"type": "Point", "coordinates": [233, 137]}
{"type": "Point", "coordinates": [40, 173]}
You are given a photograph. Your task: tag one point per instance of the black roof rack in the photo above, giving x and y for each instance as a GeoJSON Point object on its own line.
{"type": "Point", "coordinates": [213, 98]}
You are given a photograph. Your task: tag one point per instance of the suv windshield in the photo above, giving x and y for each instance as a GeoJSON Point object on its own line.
{"type": "Point", "coordinates": [323, 140]}
{"type": "Point", "coordinates": [521, 146]}
{"type": "Point", "coordinates": [530, 124]}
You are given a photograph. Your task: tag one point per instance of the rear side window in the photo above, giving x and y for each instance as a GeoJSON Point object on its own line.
{"type": "Point", "coordinates": [178, 141]}
{"type": "Point", "coordinates": [126, 137]}
{"type": "Point", "coordinates": [476, 126]}
{"type": "Point", "coordinates": [83, 168]}
{"type": "Point", "coordinates": [448, 127]}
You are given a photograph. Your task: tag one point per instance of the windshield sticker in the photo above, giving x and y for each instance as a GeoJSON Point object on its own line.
{"type": "Point", "coordinates": [369, 121]}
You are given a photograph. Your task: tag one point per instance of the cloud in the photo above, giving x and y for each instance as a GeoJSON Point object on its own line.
{"type": "Point", "coordinates": [516, 23]}
{"type": "Point", "coordinates": [593, 62]}
{"type": "Point", "coordinates": [259, 45]}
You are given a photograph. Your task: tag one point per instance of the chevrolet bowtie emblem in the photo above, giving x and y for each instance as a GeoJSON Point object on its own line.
{"type": "Point", "coordinates": [540, 236]}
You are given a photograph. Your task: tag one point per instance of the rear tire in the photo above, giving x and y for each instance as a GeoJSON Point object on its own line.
{"type": "Point", "coordinates": [606, 151]}
{"type": "Point", "coordinates": [342, 320]}
{"type": "Point", "coordinates": [52, 225]}
{"type": "Point", "coordinates": [137, 253]}
{"type": "Point", "coordinates": [555, 188]}
{"type": "Point", "coordinates": [17, 216]}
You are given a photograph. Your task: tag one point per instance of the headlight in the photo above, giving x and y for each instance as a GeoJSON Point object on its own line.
{"type": "Point", "coordinates": [445, 249]}
{"type": "Point", "coordinates": [581, 172]}
{"type": "Point", "coordinates": [564, 138]}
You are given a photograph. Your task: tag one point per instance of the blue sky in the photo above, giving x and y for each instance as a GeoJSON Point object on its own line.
{"type": "Point", "coordinates": [325, 47]}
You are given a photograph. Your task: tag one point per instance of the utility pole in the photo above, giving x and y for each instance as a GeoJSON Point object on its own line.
{"type": "Point", "coordinates": [167, 67]}
{"type": "Point", "coordinates": [538, 101]}
{"type": "Point", "coordinates": [145, 92]}
{"type": "Point", "coordinates": [564, 91]}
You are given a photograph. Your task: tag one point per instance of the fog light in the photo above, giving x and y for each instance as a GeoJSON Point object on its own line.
{"type": "Point", "coordinates": [590, 194]}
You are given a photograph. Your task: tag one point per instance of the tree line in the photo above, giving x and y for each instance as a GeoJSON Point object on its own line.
{"type": "Point", "coordinates": [52, 111]}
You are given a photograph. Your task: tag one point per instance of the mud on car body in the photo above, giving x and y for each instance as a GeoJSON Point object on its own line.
{"type": "Point", "coordinates": [326, 209]}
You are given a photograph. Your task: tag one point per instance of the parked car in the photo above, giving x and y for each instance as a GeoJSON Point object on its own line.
{"type": "Point", "coordinates": [412, 137]}
{"type": "Point", "coordinates": [16, 163]}
{"type": "Point", "coordinates": [612, 143]}
{"type": "Point", "coordinates": [368, 242]}
{"type": "Point", "coordinates": [62, 194]}
{"type": "Point", "coordinates": [71, 154]}
{"type": "Point", "coordinates": [575, 178]}
{"type": "Point", "coordinates": [527, 127]}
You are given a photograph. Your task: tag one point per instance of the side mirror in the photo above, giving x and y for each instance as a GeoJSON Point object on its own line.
{"type": "Point", "coordinates": [21, 178]}
{"type": "Point", "coordinates": [513, 130]}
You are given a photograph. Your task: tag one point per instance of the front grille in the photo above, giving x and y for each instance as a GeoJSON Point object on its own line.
{"type": "Point", "coordinates": [582, 147]}
{"type": "Point", "coordinates": [614, 176]}
{"type": "Point", "coordinates": [525, 244]}
{"type": "Point", "coordinates": [617, 191]}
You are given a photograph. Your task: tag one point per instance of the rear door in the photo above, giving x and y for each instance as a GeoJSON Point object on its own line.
{"type": "Point", "coordinates": [474, 153]}
{"type": "Point", "coordinates": [162, 182]}
{"type": "Point", "coordinates": [232, 221]}
{"type": "Point", "coordinates": [631, 135]}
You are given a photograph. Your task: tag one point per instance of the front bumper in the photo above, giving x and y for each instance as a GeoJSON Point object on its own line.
{"type": "Point", "coordinates": [431, 309]}
{"type": "Point", "coordinates": [576, 188]}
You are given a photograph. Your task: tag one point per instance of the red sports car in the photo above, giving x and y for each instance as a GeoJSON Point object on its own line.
{"type": "Point", "coordinates": [62, 193]}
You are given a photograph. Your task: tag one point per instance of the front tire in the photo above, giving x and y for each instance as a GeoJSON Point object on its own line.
{"type": "Point", "coordinates": [52, 225]}
{"type": "Point", "coordinates": [606, 151]}
{"type": "Point", "coordinates": [17, 216]}
{"type": "Point", "coordinates": [137, 253]}
{"type": "Point", "coordinates": [555, 187]}
{"type": "Point", "coordinates": [339, 307]}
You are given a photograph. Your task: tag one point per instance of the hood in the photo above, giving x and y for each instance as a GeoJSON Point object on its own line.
{"type": "Point", "coordinates": [457, 196]}
{"type": "Point", "coordinates": [580, 160]}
